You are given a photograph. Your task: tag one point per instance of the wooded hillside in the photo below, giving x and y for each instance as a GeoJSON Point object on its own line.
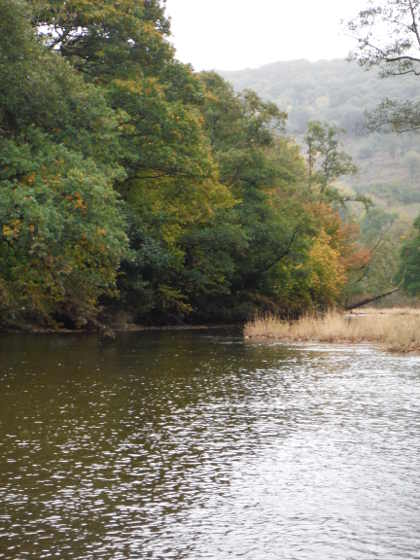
{"type": "Point", "coordinates": [340, 92]}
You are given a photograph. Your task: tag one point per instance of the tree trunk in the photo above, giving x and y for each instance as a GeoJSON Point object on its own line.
{"type": "Point", "coordinates": [371, 299]}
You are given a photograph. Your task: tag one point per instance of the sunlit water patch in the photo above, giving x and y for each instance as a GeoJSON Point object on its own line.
{"type": "Point", "coordinates": [195, 446]}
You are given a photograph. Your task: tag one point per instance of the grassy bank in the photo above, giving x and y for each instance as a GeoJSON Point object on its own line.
{"type": "Point", "coordinates": [396, 331]}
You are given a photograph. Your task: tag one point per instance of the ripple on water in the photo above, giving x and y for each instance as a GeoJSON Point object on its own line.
{"type": "Point", "coordinates": [195, 447]}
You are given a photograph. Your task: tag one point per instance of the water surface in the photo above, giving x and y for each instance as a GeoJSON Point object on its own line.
{"type": "Point", "coordinates": [193, 446]}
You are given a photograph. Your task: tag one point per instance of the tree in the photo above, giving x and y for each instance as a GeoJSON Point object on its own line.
{"type": "Point", "coordinates": [121, 47]}
{"type": "Point", "coordinates": [410, 262]}
{"type": "Point", "coordinates": [381, 233]}
{"type": "Point", "coordinates": [294, 255]}
{"type": "Point", "coordinates": [171, 183]}
{"type": "Point", "coordinates": [265, 173]}
{"type": "Point", "coordinates": [326, 162]}
{"type": "Point", "coordinates": [106, 39]}
{"type": "Point", "coordinates": [388, 37]}
{"type": "Point", "coordinates": [62, 229]}
{"type": "Point", "coordinates": [104, 136]}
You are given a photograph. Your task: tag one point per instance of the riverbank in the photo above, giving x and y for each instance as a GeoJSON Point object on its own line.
{"type": "Point", "coordinates": [397, 330]}
{"type": "Point", "coordinates": [115, 329]}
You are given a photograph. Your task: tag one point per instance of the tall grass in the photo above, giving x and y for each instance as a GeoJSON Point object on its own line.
{"type": "Point", "coordinates": [397, 332]}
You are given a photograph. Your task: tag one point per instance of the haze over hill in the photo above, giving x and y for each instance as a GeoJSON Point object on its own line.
{"type": "Point", "coordinates": [333, 90]}
{"type": "Point", "coordinates": [340, 92]}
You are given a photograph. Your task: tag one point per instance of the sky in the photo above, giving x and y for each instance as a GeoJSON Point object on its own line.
{"type": "Point", "coordinates": [238, 34]}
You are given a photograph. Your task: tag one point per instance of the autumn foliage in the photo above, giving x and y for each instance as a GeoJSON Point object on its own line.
{"type": "Point", "coordinates": [130, 183]}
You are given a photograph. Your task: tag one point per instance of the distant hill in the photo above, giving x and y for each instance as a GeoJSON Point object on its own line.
{"type": "Point", "coordinates": [340, 92]}
{"type": "Point", "coordinates": [333, 90]}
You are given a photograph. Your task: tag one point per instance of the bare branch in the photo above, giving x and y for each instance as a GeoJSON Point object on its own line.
{"type": "Point", "coordinates": [414, 28]}
{"type": "Point", "coordinates": [372, 299]}
{"type": "Point", "coordinates": [402, 58]}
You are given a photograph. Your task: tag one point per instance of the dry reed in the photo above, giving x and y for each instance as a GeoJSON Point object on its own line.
{"type": "Point", "coordinates": [397, 332]}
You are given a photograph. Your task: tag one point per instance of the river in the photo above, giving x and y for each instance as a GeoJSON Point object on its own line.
{"type": "Point", "coordinates": [198, 445]}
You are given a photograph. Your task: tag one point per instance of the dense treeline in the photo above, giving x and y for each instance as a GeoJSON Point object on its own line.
{"type": "Point", "coordinates": [130, 186]}
{"type": "Point", "coordinates": [371, 110]}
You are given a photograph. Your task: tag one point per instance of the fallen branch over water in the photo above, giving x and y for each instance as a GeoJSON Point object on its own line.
{"type": "Point", "coordinates": [398, 333]}
{"type": "Point", "coordinates": [372, 299]}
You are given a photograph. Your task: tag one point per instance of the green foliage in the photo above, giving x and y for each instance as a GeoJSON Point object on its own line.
{"type": "Point", "coordinates": [339, 93]}
{"type": "Point", "coordinates": [106, 39]}
{"type": "Point", "coordinates": [121, 47]}
{"type": "Point", "coordinates": [334, 91]}
{"type": "Point", "coordinates": [62, 230]}
{"type": "Point", "coordinates": [326, 162]}
{"type": "Point", "coordinates": [129, 183]}
{"type": "Point", "coordinates": [382, 234]}
{"type": "Point", "coordinates": [389, 39]}
{"type": "Point", "coordinates": [39, 89]}
{"type": "Point", "coordinates": [62, 234]}
{"type": "Point", "coordinates": [410, 262]}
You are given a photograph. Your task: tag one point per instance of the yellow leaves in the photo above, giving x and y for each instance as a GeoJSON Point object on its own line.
{"type": "Point", "coordinates": [7, 231]}
{"type": "Point", "coordinates": [328, 274]}
{"type": "Point", "coordinates": [143, 86]}
{"type": "Point", "coordinates": [171, 233]}
{"type": "Point", "coordinates": [149, 28]}
{"type": "Point", "coordinates": [12, 229]}
{"type": "Point", "coordinates": [179, 203]}
{"type": "Point", "coordinates": [211, 97]}
{"type": "Point", "coordinates": [53, 181]}
{"type": "Point", "coordinates": [131, 86]}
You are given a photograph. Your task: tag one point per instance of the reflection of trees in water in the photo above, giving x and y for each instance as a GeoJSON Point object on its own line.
{"type": "Point", "coordinates": [156, 442]}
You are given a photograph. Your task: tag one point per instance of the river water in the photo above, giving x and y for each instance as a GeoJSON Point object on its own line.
{"type": "Point", "coordinates": [193, 446]}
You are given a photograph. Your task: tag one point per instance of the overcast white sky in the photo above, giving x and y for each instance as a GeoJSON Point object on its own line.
{"type": "Point", "coordinates": [237, 34]}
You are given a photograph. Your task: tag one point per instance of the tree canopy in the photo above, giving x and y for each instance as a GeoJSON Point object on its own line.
{"type": "Point", "coordinates": [132, 186]}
